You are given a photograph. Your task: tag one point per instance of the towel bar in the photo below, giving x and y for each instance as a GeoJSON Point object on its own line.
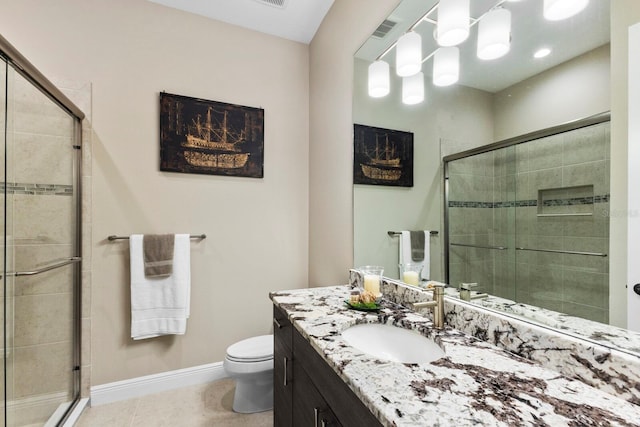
{"type": "Point", "coordinates": [193, 236]}
{"type": "Point", "coordinates": [397, 233]}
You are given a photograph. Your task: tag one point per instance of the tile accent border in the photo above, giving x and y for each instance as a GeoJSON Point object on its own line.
{"type": "Point", "coordinates": [37, 189]}
{"type": "Point", "coordinates": [529, 203]}
{"type": "Point", "coordinates": [149, 384]}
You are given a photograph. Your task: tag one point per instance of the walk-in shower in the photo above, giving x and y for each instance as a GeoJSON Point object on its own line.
{"type": "Point", "coordinates": [40, 148]}
{"type": "Point", "coordinates": [527, 218]}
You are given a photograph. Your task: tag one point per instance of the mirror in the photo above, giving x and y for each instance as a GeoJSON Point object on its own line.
{"type": "Point", "coordinates": [493, 100]}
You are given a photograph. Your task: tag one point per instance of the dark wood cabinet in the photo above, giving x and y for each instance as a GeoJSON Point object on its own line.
{"type": "Point", "coordinates": [309, 407]}
{"type": "Point", "coordinates": [307, 392]}
{"type": "Point", "coordinates": [282, 369]}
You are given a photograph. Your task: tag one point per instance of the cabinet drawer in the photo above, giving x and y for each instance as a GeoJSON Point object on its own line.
{"type": "Point", "coordinates": [282, 328]}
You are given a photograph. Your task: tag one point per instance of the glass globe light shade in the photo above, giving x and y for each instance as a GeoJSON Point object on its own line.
{"type": "Point", "coordinates": [378, 81]}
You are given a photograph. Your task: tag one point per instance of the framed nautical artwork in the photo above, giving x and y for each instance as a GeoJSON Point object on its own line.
{"type": "Point", "coordinates": [210, 137]}
{"type": "Point", "coordinates": [382, 156]}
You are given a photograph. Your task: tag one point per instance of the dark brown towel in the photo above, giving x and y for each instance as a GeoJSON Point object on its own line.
{"type": "Point", "coordinates": [417, 245]}
{"type": "Point", "coordinates": [158, 254]}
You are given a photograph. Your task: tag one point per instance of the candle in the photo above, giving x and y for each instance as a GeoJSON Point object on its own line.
{"type": "Point", "coordinates": [411, 278]}
{"type": "Point", "coordinates": [372, 283]}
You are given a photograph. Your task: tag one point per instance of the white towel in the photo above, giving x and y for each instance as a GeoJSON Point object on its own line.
{"type": "Point", "coordinates": [160, 306]}
{"type": "Point", "coordinates": [404, 252]}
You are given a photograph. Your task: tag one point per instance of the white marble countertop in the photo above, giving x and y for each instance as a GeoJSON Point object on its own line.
{"type": "Point", "coordinates": [476, 383]}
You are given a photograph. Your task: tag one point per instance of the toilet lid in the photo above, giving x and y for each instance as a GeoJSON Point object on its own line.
{"type": "Point", "coordinates": [253, 349]}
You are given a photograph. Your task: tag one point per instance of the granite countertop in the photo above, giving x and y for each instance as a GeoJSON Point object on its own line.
{"type": "Point", "coordinates": [601, 333]}
{"type": "Point", "coordinates": [476, 383]}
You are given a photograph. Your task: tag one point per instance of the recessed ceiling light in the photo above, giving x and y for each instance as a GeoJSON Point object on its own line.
{"type": "Point", "coordinates": [541, 53]}
{"type": "Point", "coordinates": [556, 10]}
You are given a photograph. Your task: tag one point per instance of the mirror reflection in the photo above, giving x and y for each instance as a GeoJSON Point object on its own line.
{"type": "Point", "coordinates": [527, 224]}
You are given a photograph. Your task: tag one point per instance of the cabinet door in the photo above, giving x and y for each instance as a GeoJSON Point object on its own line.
{"type": "Point", "coordinates": [309, 407]}
{"type": "Point", "coordinates": [343, 402]}
{"type": "Point", "coordinates": [282, 370]}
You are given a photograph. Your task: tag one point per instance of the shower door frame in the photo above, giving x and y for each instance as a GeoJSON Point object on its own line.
{"type": "Point", "coordinates": [28, 71]}
{"type": "Point", "coordinates": [510, 142]}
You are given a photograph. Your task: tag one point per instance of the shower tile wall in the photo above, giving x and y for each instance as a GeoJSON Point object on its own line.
{"type": "Point", "coordinates": [493, 200]}
{"type": "Point", "coordinates": [471, 219]}
{"type": "Point", "coordinates": [41, 230]}
{"type": "Point", "coordinates": [574, 284]}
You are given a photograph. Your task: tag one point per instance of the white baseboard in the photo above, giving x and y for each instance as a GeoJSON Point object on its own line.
{"type": "Point", "coordinates": [149, 384]}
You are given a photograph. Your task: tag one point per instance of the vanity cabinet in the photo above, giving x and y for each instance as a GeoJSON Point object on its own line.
{"type": "Point", "coordinates": [307, 391]}
{"type": "Point", "coordinates": [282, 368]}
{"type": "Point", "coordinates": [309, 407]}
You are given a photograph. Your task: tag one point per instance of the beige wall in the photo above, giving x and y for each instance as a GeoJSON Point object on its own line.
{"type": "Point", "coordinates": [534, 104]}
{"type": "Point", "coordinates": [624, 13]}
{"type": "Point", "coordinates": [257, 229]}
{"type": "Point", "coordinates": [347, 25]}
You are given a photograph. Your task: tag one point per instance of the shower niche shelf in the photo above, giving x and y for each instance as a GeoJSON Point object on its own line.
{"type": "Point", "coordinates": [566, 201]}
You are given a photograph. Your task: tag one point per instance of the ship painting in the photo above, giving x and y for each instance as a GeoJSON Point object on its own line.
{"type": "Point", "coordinates": [215, 146]}
{"type": "Point", "coordinates": [210, 137]}
{"type": "Point", "coordinates": [382, 156]}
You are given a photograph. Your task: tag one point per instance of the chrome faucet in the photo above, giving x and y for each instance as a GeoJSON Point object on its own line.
{"type": "Point", "coordinates": [465, 292]}
{"type": "Point", "coordinates": [436, 305]}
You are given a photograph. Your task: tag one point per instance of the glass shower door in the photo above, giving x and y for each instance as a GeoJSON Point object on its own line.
{"type": "Point", "coordinates": [480, 214]}
{"type": "Point", "coordinates": [528, 221]}
{"type": "Point", "coordinates": [41, 256]}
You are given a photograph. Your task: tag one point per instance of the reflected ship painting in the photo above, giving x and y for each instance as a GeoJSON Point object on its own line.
{"type": "Point", "coordinates": [382, 164]}
{"type": "Point", "coordinates": [382, 156]}
{"type": "Point", "coordinates": [199, 136]}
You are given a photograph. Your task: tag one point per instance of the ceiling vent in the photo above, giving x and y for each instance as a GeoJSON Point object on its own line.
{"type": "Point", "coordinates": [280, 4]}
{"type": "Point", "coordinates": [384, 28]}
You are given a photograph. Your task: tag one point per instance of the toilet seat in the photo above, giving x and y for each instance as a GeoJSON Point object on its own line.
{"type": "Point", "coordinates": [251, 350]}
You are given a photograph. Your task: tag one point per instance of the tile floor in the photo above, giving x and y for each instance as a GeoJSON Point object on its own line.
{"type": "Point", "coordinates": [202, 405]}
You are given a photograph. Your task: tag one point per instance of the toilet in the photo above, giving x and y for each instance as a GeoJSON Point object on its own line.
{"type": "Point", "coordinates": [250, 363]}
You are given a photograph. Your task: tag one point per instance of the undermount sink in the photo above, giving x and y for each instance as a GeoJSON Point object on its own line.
{"type": "Point", "coordinates": [392, 343]}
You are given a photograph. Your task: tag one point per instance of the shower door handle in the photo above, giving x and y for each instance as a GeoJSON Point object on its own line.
{"type": "Point", "coordinates": [57, 264]}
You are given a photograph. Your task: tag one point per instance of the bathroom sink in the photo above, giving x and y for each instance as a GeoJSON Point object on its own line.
{"type": "Point", "coordinates": [392, 343]}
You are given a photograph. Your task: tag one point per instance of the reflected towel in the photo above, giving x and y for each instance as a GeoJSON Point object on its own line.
{"type": "Point", "coordinates": [405, 252]}
{"type": "Point", "coordinates": [158, 254]}
{"type": "Point", "coordinates": [160, 306]}
{"type": "Point", "coordinates": [417, 245]}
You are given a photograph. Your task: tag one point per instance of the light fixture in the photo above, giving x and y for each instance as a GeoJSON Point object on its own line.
{"type": "Point", "coordinates": [452, 27]}
{"type": "Point", "coordinates": [409, 54]}
{"type": "Point", "coordinates": [379, 85]}
{"type": "Point", "coordinates": [453, 22]}
{"type": "Point", "coordinates": [446, 66]}
{"type": "Point", "coordinates": [556, 10]}
{"type": "Point", "coordinates": [494, 34]}
{"type": "Point", "coordinates": [541, 53]}
{"type": "Point", "coordinates": [413, 89]}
